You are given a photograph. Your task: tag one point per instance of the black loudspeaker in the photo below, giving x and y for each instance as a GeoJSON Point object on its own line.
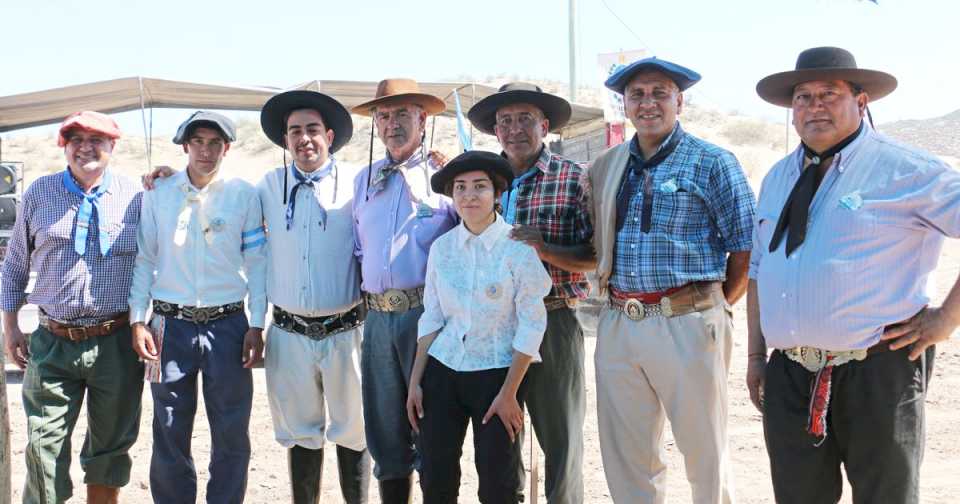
{"type": "Point", "coordinates": [8, 211]}
{"type": "Point", "coordinates": [8, 178]}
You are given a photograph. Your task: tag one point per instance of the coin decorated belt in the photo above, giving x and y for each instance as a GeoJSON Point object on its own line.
{"type": "Point", "coordinates": [395, 300]}
{"type": "Point", "coordinates": [318, 328]}
{"type": "Point", "coordinates": [196, 314]}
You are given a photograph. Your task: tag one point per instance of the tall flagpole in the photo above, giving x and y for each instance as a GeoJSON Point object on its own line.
{"type": "Point", "coordinates": [573, 52]}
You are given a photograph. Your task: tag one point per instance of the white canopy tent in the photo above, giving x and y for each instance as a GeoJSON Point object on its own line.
{"type": "Point", "coordinates": [120, 95]}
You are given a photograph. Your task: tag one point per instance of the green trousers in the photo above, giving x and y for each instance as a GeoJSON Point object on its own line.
{"type": "Point", "coordinates": [59, 374]}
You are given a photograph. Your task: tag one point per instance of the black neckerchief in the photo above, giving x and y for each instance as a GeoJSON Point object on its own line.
{"type": "Point", "coordinates": [626, 193]}
{"type": "Point", "coordinates": [796, 210]}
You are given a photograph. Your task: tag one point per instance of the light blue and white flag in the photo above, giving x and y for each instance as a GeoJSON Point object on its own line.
{"type": "Point", "coordinates": [465, 141]}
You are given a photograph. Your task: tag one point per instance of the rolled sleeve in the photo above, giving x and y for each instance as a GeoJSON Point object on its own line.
{"type": "Point", "coordinates": [732, 203]}
{"type": "Point", "coordinates": [532, 284]}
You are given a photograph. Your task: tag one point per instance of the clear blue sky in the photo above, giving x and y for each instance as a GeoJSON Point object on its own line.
{"type": "Point", "coordinates": [732, 43]}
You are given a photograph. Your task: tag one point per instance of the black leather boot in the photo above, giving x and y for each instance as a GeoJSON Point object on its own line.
{"type": "Point", "coordinates": [354, 469]}
{"type": "Point", "coordinates": [306, 467]}
{"type": "Point", "coordinates": [396, 491]}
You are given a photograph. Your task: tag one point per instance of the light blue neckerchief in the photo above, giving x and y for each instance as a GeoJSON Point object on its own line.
{"type": "Point", "coordinates": [84, 215]}
{"type": "Point", "coordinates": [509, 199]}
{"type": "Point", "coordinates": [310, 181]}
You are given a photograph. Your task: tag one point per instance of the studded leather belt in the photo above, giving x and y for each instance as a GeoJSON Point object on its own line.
{"type": "Point", "coordinates": [196, 314]}
{"type": "Point", "coordinates": [556, 303]}
{"type": "Point", "coordinates": [318, 328]}
{"type": "Point", "coordinates": [693, 297]}
{"type": "Point", "coordinates": [84, 332]}
{"type": "Point", "coordinates": [395, 300]}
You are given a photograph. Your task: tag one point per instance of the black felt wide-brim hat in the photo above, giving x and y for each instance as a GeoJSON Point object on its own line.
{"type": "Point", "coordinates": [483, 115]}
{"type": "Point", "coordinates": [335, 115]}
{"type": "Point", "coordinates": [493, 164]}
{"type": "Point", "coordinates": [824, 64]}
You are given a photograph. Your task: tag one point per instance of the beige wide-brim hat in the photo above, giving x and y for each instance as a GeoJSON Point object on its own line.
{"type": "Point", "coordinates": [394, 91]}
{"type": "Point", "coordinates": [824, 64]}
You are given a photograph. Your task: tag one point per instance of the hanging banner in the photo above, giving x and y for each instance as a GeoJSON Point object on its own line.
{"type": "Point", "coordinates": [610, 63]}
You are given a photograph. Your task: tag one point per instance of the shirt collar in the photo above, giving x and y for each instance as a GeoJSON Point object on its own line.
{"type": "Point", "coordinates": [314, 173]}
{"type": "Point", "coordinates": [111, 180]}
{"type": "Point", "coordinates": [187, 187]}
{"type": "Point", "coordinates": [489, 237]}
{"type": "Point", "coordinates": [543, 161]}
{"type": "Point", "coordinates": [843, 158]}
{"type": "Point", "coordinates": [635, 142]}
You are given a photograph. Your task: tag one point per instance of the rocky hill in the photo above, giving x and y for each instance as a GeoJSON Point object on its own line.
{"type": "Point", "coordinates": [940, 135]}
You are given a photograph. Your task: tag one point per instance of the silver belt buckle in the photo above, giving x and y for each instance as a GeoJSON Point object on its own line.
{"type": "Point", "coordinates": [634, 309]}
{"type": "Point", "coordinates": [315, 329]}
{"type": "Point", "coordinates": [201, 316]}
{"type": "Point", "coordinates": [397, 300]}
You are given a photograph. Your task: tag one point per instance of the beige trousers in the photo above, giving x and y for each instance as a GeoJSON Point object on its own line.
{"type": "Point", "coordinates": [313, 387]}
{"type": "Point", "coordinates": [656, 369]}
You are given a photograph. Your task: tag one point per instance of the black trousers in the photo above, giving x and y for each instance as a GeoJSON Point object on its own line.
{"type": "Point", "coordinates": [451, 399]}
{"type": "Point", "coordinates": [875, 428]}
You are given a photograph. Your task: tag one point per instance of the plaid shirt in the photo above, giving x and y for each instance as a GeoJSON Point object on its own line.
{"type": "Point", "coordinates": [555, 201]}
{"type": "Point", "coordinates": [71, 288]}
{"type": "Point", "coordinates": [701, 208]}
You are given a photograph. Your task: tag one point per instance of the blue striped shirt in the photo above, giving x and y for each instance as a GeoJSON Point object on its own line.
{"type": "Point", "coordinates": [702, 208]}
{"type": "Point", "coordinates": [72, 288]}
{"type": "Point", "coordinates": [874, 234]}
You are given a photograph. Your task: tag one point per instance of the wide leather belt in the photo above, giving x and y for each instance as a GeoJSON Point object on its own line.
{"type": "Point", "coordinates": [395, 300]}
{"type": "Point", "coordinates": [693, 297]}
{"type": "Point", "coordinates": [84, 332]}
{"type": "Point", "coordinates": [318, 328]}
{"type": "Point", "coordinates": [815, 359]}
{"type": "Point", "coordinates": [196, 314]}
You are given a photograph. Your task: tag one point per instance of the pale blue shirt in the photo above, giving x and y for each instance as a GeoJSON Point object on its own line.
{"type": "Point", "coordinates": [207, 254]}
{"type": "Point", "coordinates": [311, 268]}
{"type": "Point", "coordinates": [875, 231]}
{"type": "Point", "coordinates": [484, 293]}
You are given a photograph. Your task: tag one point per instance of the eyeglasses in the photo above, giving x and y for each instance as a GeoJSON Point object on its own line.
{"type": "Point", "coordinates": [524, 121]}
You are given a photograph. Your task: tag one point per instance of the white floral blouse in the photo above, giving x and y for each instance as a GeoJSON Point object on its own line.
{"type": "Point", "coordinates": [484, 293]}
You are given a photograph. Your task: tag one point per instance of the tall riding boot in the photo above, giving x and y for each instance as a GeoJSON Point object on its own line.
{"type": "Point", "coordinates": [306, 466]}
{"type": "Point", "coordinates": [101, 494]}
{"type": "Point", "coordinates": [396, 491]}
{"type": "Point", "coordinates": [354, 474]}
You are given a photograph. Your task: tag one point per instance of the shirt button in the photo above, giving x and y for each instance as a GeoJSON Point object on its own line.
{"type": "Point", "coordinates": [784, 295]}
{"type": "Point", "coordinates": [636, 219]}
{"type": "Point", "coordinates": [633, 245]}
{"type": "Point", "coordinates": [793, 333]}
{"type": "Point", "coordinates": [633, 273]}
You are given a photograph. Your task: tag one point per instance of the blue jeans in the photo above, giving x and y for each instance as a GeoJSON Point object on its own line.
{"type": "Point", "coordinates": [214, 349]}
{"type": "Point", "coordinates": [386, 359]}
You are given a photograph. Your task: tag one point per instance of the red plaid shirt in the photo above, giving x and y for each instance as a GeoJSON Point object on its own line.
{"type": "Point", "coordinates": [556, 202]}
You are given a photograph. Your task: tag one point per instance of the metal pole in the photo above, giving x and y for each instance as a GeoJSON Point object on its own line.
{"type": "Point", "coordinates": [573, 53]}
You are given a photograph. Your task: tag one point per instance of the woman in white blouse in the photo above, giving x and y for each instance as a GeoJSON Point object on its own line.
{"type": "Point", "coordinates": [482, 325]}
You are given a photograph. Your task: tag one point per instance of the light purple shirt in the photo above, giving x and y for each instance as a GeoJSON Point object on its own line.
{"type": "Point", "coordinates": [395, 225]}
{"type": "Point", "coordinates": [876, 227]}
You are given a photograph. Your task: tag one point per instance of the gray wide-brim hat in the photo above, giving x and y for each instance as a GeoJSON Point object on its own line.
{"type": "Point", "coordinates": [203, 118]}
{"type": "Point", "coordinates": [483, 115]}
{"type": "Point", "coordinates": [824, 64]}
{"type": "Point", "coordinates": [335, 116]}
{"type": "Point", "coordinates": [492, 164]}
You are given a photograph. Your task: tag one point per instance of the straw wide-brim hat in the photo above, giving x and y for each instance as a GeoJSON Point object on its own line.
{"type": "Point", "coordinates": [393, 91]}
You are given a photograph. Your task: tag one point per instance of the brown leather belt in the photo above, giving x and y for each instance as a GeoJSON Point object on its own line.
{"type": "Point", "coordinates": [395, 300]}
{"type": "Point", "coordinates": [81, 333]}
{"type": "Point", "coordinates": [693, 297]}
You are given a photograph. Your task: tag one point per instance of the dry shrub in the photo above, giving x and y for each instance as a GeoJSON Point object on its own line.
{"type": "Point", "coordinates": [752, 132]}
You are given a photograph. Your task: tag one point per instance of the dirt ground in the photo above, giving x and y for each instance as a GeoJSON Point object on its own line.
{"type": "Point", "coordinates": [268, 481]}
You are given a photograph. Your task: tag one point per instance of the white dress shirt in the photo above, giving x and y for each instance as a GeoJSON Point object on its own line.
{"type": "Point", "coordinates": [200, 247]}
{"type": "Point", "coordinates": [311, 268]}
{"type": "Point", "coordinates": [484, 293]}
